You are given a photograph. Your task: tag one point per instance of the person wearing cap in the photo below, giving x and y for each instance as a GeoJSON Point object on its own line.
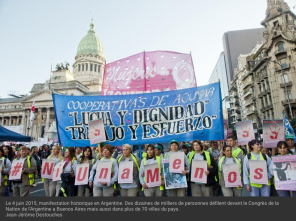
{"type": "Point", "coordinates": [174, 147]}
{"type": "Point", "coordinates": [158, 151]}
{"type": "Point", "coordinates": [291, 143]}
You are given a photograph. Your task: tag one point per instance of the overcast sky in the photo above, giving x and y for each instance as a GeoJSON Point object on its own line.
{"type": "Point", "coordinates": [34, 33]}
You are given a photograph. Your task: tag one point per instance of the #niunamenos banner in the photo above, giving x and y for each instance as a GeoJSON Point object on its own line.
{"type": "Point", "coordinates": [154, 71]}
{"type": "Point", "coordinates": [245, 132]}
{"type": "Point", "coordinates": [184, 115]}
{"type": "Point", "coordinates": [284, 168]}
{"type": "Point", "coordinates": [273, 132]}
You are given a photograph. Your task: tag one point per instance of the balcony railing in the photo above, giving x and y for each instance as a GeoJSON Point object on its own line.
{"type": "Point", "coordinates": [279, 52]}
{"type": "Point", "coordinates": [288, 84]}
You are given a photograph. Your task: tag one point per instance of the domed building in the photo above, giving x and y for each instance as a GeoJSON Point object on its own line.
{"type": "Point", "coordinates": [86, 78]}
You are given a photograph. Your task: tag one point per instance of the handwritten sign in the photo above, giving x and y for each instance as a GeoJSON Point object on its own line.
{"type": "Point", "coordinates": [273, 132]}
{"type": "Point", "coordinates": [176, 162]}
{"type": "Point", "coordinates": [198, 171]}
{"type": "Point", "coordinates": [47, 168]}
{"type": "Point", "coordinates": [82, 174]}
{"type": "Point", "coordinates": [245, 132]}
{"type": "Point", "coordinates": [125, 172]}
{"type": "Point", "coordinates": [96, 131]}
{"type": "Point", "coordinates": [231, 174]}
{"type": "Point", "coordinates": [258, 172]}
{"type": "Point", "coordinates": [152, 176]}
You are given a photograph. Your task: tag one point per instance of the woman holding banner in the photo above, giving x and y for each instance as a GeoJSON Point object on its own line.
{"type": "Point", "coordinates": [283, 150]}
{"type": "Point", "coordinates": [226, 160]}
{"type": "Point", "coordinates": [174, 147]}
{"type": "Point", "coordinates": [257, 189]}
{"type": "Point", "coordinates": [104, 188]}
{"type": "Point", "coordinates": [200, 189]}
{"type": "Point", "coordinates": [86, 157]}
{"type": "Point", "coordinates": [4, 170]}
{"type": "Point", "coordinates": [51, 188]}
{"type": "Point", "coordinates": [68, 174]}
{"type": "Point", "coordinates": [130, 189]}
{"type": "Point", "coordinates": [148, 160]}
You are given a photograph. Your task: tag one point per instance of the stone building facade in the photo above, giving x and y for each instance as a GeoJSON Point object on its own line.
{"type": "Point", "coordinates": [86, 79]}
{"type": "Point", "coordinates": [267, 74]}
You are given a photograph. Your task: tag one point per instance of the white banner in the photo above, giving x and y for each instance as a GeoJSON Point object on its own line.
{"type": "Point", "coordinates": [57, 171]}
{"type": "Point", "coordinates": [47, 168]}
{"type": "Point", "coordinates": [198, 171]}
{"type": "Point", "coordinates": [82, 174]}
{"type": "Point", "coordinates": [152, 175]}
{"type": "Point", "coordinates": [176, 162]}
{"type": "Point", "coordinates": [258, 172]}
{"type": "Point", "coordinates": [125, 172]}
{"type": "Point", "coordinates": [103, 174]}
{"type": "Point", "coordinates": [232, 175]}
{"type": "Point", "coordinates": [16, 170]}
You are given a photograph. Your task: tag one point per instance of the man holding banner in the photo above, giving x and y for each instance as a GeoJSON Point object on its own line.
{"type": "Point", "coordinates": [25, 168]}
{"type": "Point", "coordinates": [257, 170]}
{"type": "Point", "coordinates": [128, 176]}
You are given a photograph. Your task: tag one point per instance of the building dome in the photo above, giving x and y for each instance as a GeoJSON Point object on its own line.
{"type": "Point", "coordinates": [90, 44]}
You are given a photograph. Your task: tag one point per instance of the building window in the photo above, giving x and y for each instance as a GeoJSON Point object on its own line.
{"type": "Point", "coordinates": [285, 78]}
{"type": "Point", "coordinates": [86, 67]}
{"type": "Point", "coordinates": [288, 95]}
{"type": "Point", "coordinates": [283, 63]}
{"type": "Point", "coordinates": [281, 47]}
{"type": "Point", "coordinates": [99, 67]}
{"type": "Point", "coordinates": [266, 101]}
{"type": "Point", "coordinates": [83, 67]}
{"type": "Point", "coordinates": [95, 68]}
{"type": "Point", "coordinates": [79, 67]}
{"type": "Point", "coordinates": [91, 67]}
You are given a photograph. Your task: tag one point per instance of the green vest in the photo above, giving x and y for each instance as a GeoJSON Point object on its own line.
{"type": "Point", "coordinates": [159, 166]}
{"type": "Point", "coordinates": [208, 158]}
{"type": "Point", "coordinates": [256, 184]}
{"type": "Point", "coordinates": [134, 159]}
{"type": "Point", "coordinates": [5, 176]}
{"type": "Point", "coordinates": [220, 167]}
{"type": "Point", "coordinates": [236, 152]}
{"type": "Point", "coordinates": [144, 155]}
{"type": "Point", "coordinates": [31, 175]}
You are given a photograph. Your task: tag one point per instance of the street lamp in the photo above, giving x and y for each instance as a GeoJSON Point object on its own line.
{"type": "Point", "coordinates": [290, 109]}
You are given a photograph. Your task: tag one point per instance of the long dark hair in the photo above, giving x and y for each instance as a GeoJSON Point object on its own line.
{"type": "Point", "coordinates": [10, 153]}
{"type": "Point", "coordinates": [152, 147]}
{"type": "Point", "coordinates": [252, 143]}
{"type": "Point", "coordinates": [71, 152]}
{"type": "Point", "coordinates": [281, 143]}
{"type": "Point", "coordinates": [90, 157]}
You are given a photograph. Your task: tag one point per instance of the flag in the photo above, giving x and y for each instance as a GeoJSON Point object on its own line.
{"type": "Point", "coordinates": [288, 127]}
{"type": "Point", "coordinates": [32, 116]}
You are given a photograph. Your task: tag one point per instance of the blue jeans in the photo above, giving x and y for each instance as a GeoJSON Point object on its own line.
{"type": "Point", "coordinates": [263, 191]}
{"type": "Point", "coordinates": [286, 193]}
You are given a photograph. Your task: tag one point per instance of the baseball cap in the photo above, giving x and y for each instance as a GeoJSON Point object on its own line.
{"type": "Point", "coordinates": [158, 147]}
{"type": "Point", "coordinates": [174, 141]}
{"type": "Point", "coordinates": [289, 136]}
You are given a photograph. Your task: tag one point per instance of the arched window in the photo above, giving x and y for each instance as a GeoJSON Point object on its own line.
{"type": "Point", "coordinates": [281, 47]}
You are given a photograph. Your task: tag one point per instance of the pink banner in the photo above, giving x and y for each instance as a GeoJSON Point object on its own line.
{"type": "Point", "coordinates": [149, 72]}
{"type": "Point", "coordinates": [231, 174]}
{"type": "Point", "coordinates": [273, 132]}
{"type": "Point", "coordinates": [176, 162]}
{"type": "Point", "coordinates": [47, 168]}
{"type": "Point", "coordinates": [125, 172]}
{"type": "Point", "coordinates": [16, 170]}
{"type": "Point", "coordinates": [245, 132]}
{"type": "Point", "coordinates": [258, 171]}
{"type": "Point", "coordinates": [198, 169]}
{"type": "Point", "coordinates": [81, 176]}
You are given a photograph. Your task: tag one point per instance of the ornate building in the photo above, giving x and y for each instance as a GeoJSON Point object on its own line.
{"type": "Point", "coordinates": [86, 79]}
{"type": "Point", "coordinates": [270, 70]}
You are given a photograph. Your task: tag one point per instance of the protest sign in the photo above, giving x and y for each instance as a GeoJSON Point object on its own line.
{"type": "Point", "coordinates": [273, 132]}
{"type": "Point", "coordinates": [154, 71]}
{"type": "Point", "coordinates": [258, 171]}
{"type": "Point", "coordinates": [47, 168]}
{"type": "Point", "coordinates": [176, 162]}
{"type": "Point", "coordinates": [103, 174]}
{"type": "Point", "coordinates": [231, 175]}
{"type": "Point", "coordinates": [16, 170]}
{"type": "Point", "coordinates": [245, 132]}
{"type": "Point", "coordinates": [184, 115]}
{"type": "Point", "coordinates": [125, 172]}
{"type": "Point", "coordinates": [284, 168]}
{"type": "Point", "coordinates": [96, 131]}
{"type": "Point", "coordinates": [198, 169]}
{"type": "Point", "coordinates": [82, 174]}
{"type": "Point", "coordinates": [57, 171]}
{"type": "Point", "coordinates": [173, 180]}
{"type": "Point", "coordinates": [152, 175]}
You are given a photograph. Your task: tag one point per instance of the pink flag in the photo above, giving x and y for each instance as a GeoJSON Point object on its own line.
{"type": "Point", "coordinates": [152, 175]}
{"type": "Point", "coordinates": [198, 171]}
{"type": "Point", "coordinates": [81, 176]}
{"type": "Point", "coordinates": [176, 162]}
{"type": "Point", "coordinates": [125, 172]}
{"type": "Point", "coordinates": [16, 170]}
{"type": "Point", "coordinates": [32, 115]}
{"type": "Point", "coordinates": [149, 72]}
{"type": "Point", "coordinates": [258, 172]}
{"type": "Point", "coordinates": [47, 168]}
{"type": "Point", "coordinates": [231, 174]}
